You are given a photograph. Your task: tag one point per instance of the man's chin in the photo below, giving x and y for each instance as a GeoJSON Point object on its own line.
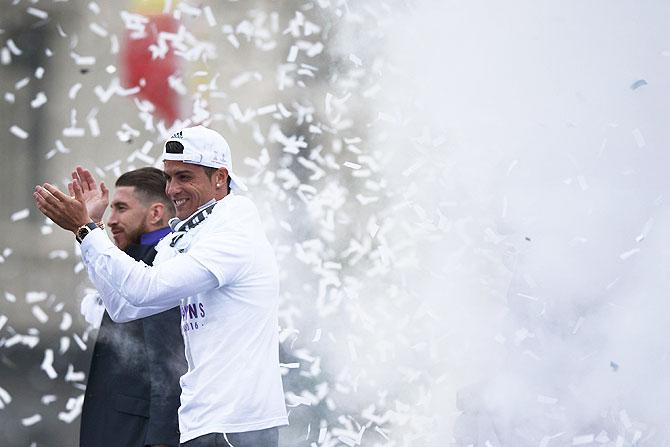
{"type": "Point", "coordinates": [121, 242]}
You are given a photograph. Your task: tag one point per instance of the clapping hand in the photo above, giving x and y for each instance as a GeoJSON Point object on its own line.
{"type": "Point", "coordinates": [96, 200]}
{"type": "Point", "coordinates": [65, 211]}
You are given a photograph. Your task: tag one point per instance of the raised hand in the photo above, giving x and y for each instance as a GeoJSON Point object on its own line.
{"type": "Point", "coordinates": [96, 200]}
{"type": "Point", "coordinates": [67, 212]}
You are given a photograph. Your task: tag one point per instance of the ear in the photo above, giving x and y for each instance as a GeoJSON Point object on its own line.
{"type": "Point", "coordinates": [156, 213]}
{"type": "Point", "coordinates": [221, 178]}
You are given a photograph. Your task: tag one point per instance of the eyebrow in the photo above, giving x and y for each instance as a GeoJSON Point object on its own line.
{"type": "Point", "coordinates": [183, 171]}
{"type": "Point", "coordinates": [118, 203]}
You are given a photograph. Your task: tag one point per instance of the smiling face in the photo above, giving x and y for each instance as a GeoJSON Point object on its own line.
{"type": "Point", "coordinates": [188, 186]}
{"type": "Point", "coordinates": [128, 220]}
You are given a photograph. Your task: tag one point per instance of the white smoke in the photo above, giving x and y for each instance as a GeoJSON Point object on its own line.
{"type": "Point", "coordinates": [527, 162]}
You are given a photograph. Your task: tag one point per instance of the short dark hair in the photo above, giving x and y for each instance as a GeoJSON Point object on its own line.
{"type": "Point", "coordinates": [149, 184]}
{"type": "Point", "coordinates": [210, 172]}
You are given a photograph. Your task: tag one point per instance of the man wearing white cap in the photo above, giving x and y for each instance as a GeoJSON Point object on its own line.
{"type": "Point", "coordinates": [220, 268]}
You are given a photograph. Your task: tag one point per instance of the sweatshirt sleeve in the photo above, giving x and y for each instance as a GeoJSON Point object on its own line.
{"type": "Point", "coordinates": [131, 289]}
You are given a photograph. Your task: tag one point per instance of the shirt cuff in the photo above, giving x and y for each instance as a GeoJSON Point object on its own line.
{"type": "Point", "coordinates": [94, 244]}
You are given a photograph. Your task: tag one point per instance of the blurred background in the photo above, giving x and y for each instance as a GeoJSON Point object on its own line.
{"type": "Point", "coordinates": [468, 202]}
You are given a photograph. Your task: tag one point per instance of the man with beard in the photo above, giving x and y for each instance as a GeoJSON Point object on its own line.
{"type": "Point", "coordinates": [132, 395]}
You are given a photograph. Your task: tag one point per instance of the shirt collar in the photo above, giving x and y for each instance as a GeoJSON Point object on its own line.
{"type": "Point", "coordinates": [175, 221]}
{"type": "Point", "coordinates": [152, 237]}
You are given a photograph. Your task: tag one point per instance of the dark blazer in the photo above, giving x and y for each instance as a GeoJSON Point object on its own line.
{"type": "Point", "coordinates": [132, 394]}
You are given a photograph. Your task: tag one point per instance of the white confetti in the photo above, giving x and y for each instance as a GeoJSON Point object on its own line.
{"type": "Point", "coordinates": [72, 93]}
{"type": "Point", "coordinates": [79, 342]}
{"type": "Point", "coordinates": [625, 255]}
{"type": "Point", "coordinates": [578, 325]}
{"type": "Point", "coordinates": [31, 420]}
{"type": "Point", "coordinates": [355, 59]}
{"type": "Point", "coordinates": [209, 15]}
{"type": "Point", "coordinates": [5, 398]}
{"type": "Point", "coordinates": [39, 313]}
{"type": "Point", "coordinates": [74, 376]}
{"type": "Point", "coordinates": [73, 406]}
{"type": "Point", "coordinates": [317, 336]}
{"type": "Point", "coordinates": [58, 254]}
{"type": "Point", "coordinates": [266, 109]}
{"type": "Point", "coordinates": [92, 121]}
{"type": "Point", "coordinates": [18, 132]}
{"type": "Point", "coordinates": [98, 30]}
{"type": "Point", "coordinates": [64, 345]}
{"type": "Point", "coordinates": [48, 399]}
{"type": "Point", "coordinates": [583, 439]}
{"type": "Point", "coordinates": [47, 364]}
{"type": "Point", "coordinates": [5, 56]}
{"type": "Point", "coordinates": [20, 215]}
{"type": "Point", "coordinates": [82, 60]}
{"type": "Point", "coordinates": [35, 297]}
{"type": "Point", "coordinates": [13, 48]}
{"type": "Point", "coordinates": [292, 54]}
{"type": "Point", "coordinates": [645, 230]}
{"type": "Point", "coordinates": [37, 13]}
{"type": "Point", "coordinates": [40, 100]}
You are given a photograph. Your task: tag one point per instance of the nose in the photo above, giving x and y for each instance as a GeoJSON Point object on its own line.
{"type": "Point", "coordinates": [113, 220]}
{"type": "Point", "coordinates": [171, 188]}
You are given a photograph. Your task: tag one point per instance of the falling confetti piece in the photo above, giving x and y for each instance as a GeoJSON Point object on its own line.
{"type": "Point", "coordinates": [73, 408]}
{"type": "Point", "coordinates": [20, 215]}
{"type": "Point", "coordinates": [47, 364]}
{"type": "Point", "coordinates": [31, 420]}
{"type": "Point", "coordinates": [637, 84]}
{"type": "Point", "coordinates": [18, 132]}
{"type": "Point", "coordinates": [5, 398]}
{"type": "Point", "coordinates": [583, 439]}
{"type": "Point", "coordinates": [639, 138]}
{"type": "Point", "coordinates": [625, 255]}
{"type": "Point", "coordinates": [37, 13]}
{"type": "Point", "coordinates": [39, 313]}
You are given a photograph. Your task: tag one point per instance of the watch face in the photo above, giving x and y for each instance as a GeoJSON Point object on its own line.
{"type": "Point", "coordinates": [82, 232]}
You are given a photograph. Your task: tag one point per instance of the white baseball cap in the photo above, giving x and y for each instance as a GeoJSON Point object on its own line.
{"type": "Point", "coordinates": [205, 147]}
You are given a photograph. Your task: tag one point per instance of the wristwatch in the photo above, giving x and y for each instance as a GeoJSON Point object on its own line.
{"type": "Point", "coordinates": [83, 231]}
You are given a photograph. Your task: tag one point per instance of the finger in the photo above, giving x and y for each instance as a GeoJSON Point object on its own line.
{"type": "Point", "coordinates": [75, 176]}
{"type": "Point", "coordinates": [78, 192]}
{"type": "Point", "coordinates": [49, 210]}
{"type": "Point", "coordinates": [43, 204]}
{"type": "Point", "coordinates": [46, 196]}
{"type": "Point", "coordinates": [70, 189]}
{"type": "Point", "coordinates": [86, 178]}
{"type": "Point", "coordinates": [104, 191]}
{"type": "Point", "coordinates": [57, 193]}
